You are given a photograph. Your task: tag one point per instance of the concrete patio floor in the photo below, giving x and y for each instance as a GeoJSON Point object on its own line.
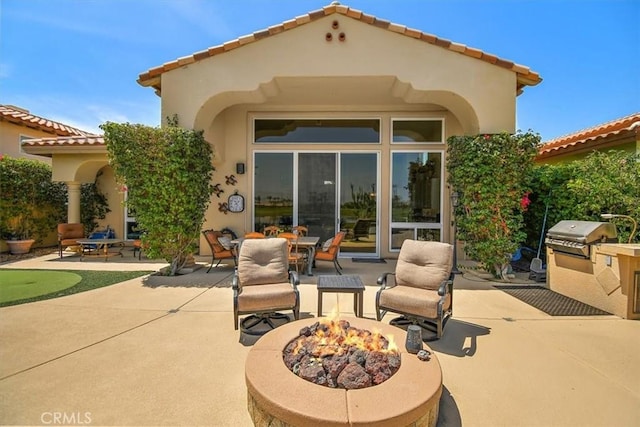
{"type": "Point", "coordinates": [163, 351]}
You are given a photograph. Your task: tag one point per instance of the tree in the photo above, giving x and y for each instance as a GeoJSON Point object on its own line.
{"type": "Point", "coordinates": [168, 174]}
{"type": "Point", "coordinates": [491, 173]}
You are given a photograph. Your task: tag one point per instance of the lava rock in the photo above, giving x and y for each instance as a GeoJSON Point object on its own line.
{"type": "Point", "coordinates": [311, 370]}
{"type": "Point", "coordinates": [353, 376]}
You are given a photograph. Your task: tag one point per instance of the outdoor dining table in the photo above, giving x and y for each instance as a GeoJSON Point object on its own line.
{"type": "Point", "coordinates": [100, 247]}
{"type": "Point", "coordinates": [307, 243]}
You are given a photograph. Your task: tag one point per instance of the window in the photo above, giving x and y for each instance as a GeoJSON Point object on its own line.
{"type": "Point", "coordinates": [417, 131]}
{"type": "Point", "coordinates": [416, 184]}
{"type": "Point", "coordinates": [315, 131]}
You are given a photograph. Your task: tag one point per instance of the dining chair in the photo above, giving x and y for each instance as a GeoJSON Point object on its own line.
{"type": "Point", "coordinates": [296, 257]}
{"type": "Point", "coordinates": [68, 235]}
{"type": "Point", "coordinates": [254, 235]}
{"type": "Point", "coordinates": [300, 230]}
{"type": "Point", "coordinates": [330, 251]}
{"type": "Point", "coordinates": [218, 250]}
{"type": "Point", "coordinates": [271, 230]}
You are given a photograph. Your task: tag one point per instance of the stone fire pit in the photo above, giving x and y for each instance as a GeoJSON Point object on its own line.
{"type": "Point", "coordinates": [277, 397]}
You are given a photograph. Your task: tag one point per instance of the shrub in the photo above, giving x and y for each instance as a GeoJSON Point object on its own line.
{"type": "Point", "coordinates": [31, 204]}
{"type": "Point", "coordinates": [603, 182]}
{"type": "Point", "coordinates": [93, 206]}
{"type": "Point", "coordinates": [168, 173]}
{"type": "Point", "coordinates": [491, 175]}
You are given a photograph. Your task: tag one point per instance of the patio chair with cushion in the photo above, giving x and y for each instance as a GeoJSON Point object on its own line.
{"type": "Point", "coordinates": [220, 248]}
{"type": "Point", "coordinates": [361, 229]}
{"type": "Point", "coordinates": [422, 288]}
{"type": "Point", "coordinates": [295, 256]}
{"type": "Point", "coordinates": [330, 250]}
{"type": "Point", "coordinates": [263, 285]}
{"type": "Point", "coordinates": [69, 234]}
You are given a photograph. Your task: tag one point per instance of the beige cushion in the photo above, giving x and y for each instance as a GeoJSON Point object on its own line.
{"type": "Point", "coordinates": [424, 264]}
{"type": "Point", "coordinates": [327, 244]}
{"type": "Point", "coordinates": [266, 297]}
{"type": "Point", "coordinates": [410, 300]}
{"type": "Point", "coordinates": [263, 261]}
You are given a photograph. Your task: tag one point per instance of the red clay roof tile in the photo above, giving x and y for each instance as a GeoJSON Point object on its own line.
{"type": "Point", "coordinates": [19, 116]}
{"type": "Point", "coordinates": [593, 135]}
{"type": "Point", "coordinates": [66, 141]}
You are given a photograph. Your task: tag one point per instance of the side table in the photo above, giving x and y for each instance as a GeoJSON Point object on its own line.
{"type": "Point", "coordinates": [342, 284]}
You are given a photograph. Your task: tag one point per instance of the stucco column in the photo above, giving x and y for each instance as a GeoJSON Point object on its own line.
{"type": "Point", "coordinates": [73, 207]}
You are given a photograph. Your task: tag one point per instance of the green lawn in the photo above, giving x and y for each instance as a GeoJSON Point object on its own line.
{"type": "Point", "coordinates": [22, 286]}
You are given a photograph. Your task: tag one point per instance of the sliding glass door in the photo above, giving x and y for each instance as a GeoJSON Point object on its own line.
{"type": "Point", "coordinates": [326, 191]}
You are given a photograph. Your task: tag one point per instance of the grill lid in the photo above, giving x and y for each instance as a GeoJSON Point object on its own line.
{"type": "Point", "coordinates": [585, 232]}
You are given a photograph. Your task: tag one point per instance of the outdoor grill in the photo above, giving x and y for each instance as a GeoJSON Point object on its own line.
{"type": "Point", "coordinates": [576, 237]}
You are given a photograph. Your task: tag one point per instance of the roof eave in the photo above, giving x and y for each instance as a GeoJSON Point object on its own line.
{"type": "Point", "coordinates": [525, 76]}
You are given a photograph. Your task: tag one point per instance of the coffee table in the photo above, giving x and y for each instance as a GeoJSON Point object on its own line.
{"type": "Point", "coordinates": [100, 247]}
{"type": "Point", "coordinates": [342, 284]}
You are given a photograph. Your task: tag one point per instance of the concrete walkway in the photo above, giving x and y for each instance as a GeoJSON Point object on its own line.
{"type": "Point", "coordinates": [163, 351]}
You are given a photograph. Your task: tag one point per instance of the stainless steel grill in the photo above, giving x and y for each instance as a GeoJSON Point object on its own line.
{"type": "Point", "coordinates": [576, 237]}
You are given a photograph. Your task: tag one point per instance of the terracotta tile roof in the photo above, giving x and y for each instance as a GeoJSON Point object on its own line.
{"type": "Point", "coordinates": [625, 126]}
{"type": "Point", "coordinates": [19, 116]}
{"type": "Point", "coordinates": [83, 141]}
{"type": "Point", "coordinates": [525, 76]}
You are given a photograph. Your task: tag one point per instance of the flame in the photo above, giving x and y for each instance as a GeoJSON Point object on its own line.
{"type": "Point", "coordinates": [334, 339]}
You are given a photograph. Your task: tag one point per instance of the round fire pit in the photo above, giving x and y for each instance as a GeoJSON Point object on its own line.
{"type": "Point", "coordinates": [276, 396]}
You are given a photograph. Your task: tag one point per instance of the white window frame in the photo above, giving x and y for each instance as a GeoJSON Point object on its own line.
{"type": "Point", "coordinates": [252, 128]}
{"type": "Point", "coordinates": [415, 225]}
{"type": "Point", "coordinates": [416, 119]}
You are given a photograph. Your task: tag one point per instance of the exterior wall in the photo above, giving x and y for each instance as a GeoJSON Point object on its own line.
{"type": "Point", "coordinates": [422, 70]}
{"type": "Point", "coordinates": [10, 134]}
{"type": "Point", "coordinates": [106, 183]}
{"type": "Point", "coordinates": [233, 129]}
{"type": "Point", "coordinates": [605, 281]}
{"type": "Point", "coordinates": [374, 73]}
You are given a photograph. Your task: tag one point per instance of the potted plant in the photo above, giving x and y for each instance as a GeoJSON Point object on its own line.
{"type": "Point", "coordinates": [17, 234]}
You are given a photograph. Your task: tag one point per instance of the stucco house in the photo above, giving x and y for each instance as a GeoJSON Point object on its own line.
{"type": "Point", "coordinates": [619, 134]}
{"type": "Point", "coordinates": [331, 117]}
{"type": "Point", "coordinates": [18, 124]}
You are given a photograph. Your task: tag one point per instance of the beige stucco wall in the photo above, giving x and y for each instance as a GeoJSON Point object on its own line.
{"type": "Point", "coordinates": [232, 128]}
{"type": "Point", "coordinates": [605, 280]}
{"type": "Point", "coordinates": [10, 134]}
{"type": "Point", "coordinates": [374, 73]}
{"type": "Point", "coordinates": [424, 73]}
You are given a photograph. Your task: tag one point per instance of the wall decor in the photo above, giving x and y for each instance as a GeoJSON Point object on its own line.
{"type": "Point", "coordinates": [217, 190]}
{"type": "Point", "coordinates": [236, 202]}
{"type": "Point", "coordinates": [231, 180]}
{"type": "Point", "coordinates": [223, 207]}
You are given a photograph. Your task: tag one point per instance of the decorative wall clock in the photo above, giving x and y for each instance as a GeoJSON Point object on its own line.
{"type": "Point", "coordinates": [236, 202]}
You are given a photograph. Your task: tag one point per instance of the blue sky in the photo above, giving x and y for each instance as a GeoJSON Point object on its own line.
{"type": "Point", "coordinates": [77, 61]}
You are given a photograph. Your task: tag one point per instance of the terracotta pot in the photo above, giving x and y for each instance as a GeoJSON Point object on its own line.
{"type": "Point", "coordinates": [17, 247]}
